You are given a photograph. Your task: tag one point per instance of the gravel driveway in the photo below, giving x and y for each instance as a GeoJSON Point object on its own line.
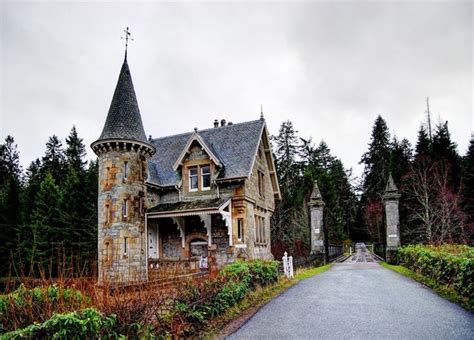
{"type": "Point", "coordinates": [359, 299]}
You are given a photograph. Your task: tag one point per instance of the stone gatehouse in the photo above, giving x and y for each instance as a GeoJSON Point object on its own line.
{"type": "Point", "coordinates": [203, 198]}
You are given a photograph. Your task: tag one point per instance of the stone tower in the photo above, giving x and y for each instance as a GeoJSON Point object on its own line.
{"type": "Point", "coordinates": [391, 197]}
{"type": "Point", "coordinates": [316, 207]}
{"type": "Point", "coordinates": [123, 151]}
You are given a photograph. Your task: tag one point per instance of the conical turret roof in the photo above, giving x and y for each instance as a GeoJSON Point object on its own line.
{"type": "Point", "coordinates": [124, 120]}
{"type": "Point", "coordinates": [391, 187]}
{"type": "Point", "coordinates": [315, 194]}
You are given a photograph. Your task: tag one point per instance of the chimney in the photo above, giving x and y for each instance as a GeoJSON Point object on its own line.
{"type": "Point", "coordinates": [216, 123]}
{"type": "Point", "coordinates": [222, 122]}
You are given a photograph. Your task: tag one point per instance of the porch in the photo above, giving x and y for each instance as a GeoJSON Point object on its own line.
{"type": "Point", "coordinates": [188, 237]}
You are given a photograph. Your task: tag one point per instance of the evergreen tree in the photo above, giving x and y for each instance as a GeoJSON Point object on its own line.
{"type": "Point", "coordinates": [47, 234]}
{"type": "Point", "coordinates": [54, 160]}
{"type": "Point", "coordinates": [423, 145]}
{"type": "Point", "coordinates": [75, 151]}
{"type": "Point", "coordinates": [376, 170]}
{"type": "Point", "coordinates": [400, 158]}
{"type": "Point", "coordinates": [287, 148]}
{"type": "Point", "coordinates": [377, 160]}
{"type": "Point", "coordinates": [10, 205]}
{"type": "Point", "coordinates": [468, 190]}
{"type": "Point", "coordinates": [445, 154]}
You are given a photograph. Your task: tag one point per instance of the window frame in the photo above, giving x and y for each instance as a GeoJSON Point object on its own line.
{"type": "Point", "coordinates": [192, 176]}
{"type": "Point", "coordinates": [125, 208]}
{"type": "Point", "coordinates": [125, 246]}
{"type": "Point", "coordinates": [261, 183]}
{"type": "Point", "coordinates": [201, 168]}
{"type": "Point", "coordinates": [125, 170]}
{"type": "Point", "coordinates": [240, 229]}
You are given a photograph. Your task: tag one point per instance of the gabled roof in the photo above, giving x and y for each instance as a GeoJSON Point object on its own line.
{"type": "Point", "coordinates": [123, 120]}
{"type": "Point", "coordinates": [196, 138]}
{"type": "Point", "coordinates": [235, 146]}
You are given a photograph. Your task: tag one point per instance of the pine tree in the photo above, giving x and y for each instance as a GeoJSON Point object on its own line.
{"type": "Point", "coordinates": [468, 190]}
{"type": "Point", "coordinates": [10, 204]}
{"type": "Point", "coordinates": [47, 233]}
{"type": "Point", "coordinates": [377, 160]}
{"type": "Point", "coordinates": [376, 170]}
{"type": "Point", "coordinates": [54, 160]}
{"type": "Point", "coordinates": [75, 151]}
{"type": "Point", "coordinates": [423, 145]}
{"type": "Point", "coordinates": [445, 154]}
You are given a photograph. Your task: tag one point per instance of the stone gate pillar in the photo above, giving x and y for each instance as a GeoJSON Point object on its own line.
{"type": "Point", "coordinates": [316, 207]}
{"type": "Point", "coordinates": [391, 197]}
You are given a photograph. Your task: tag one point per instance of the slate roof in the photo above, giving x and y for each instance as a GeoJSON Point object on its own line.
{"type": "Point", "coordinates": [183, 206]}
{"type": "Point", "coordinates": [124, 120]}
{"type": "Point", "coordinates": [235, 146]}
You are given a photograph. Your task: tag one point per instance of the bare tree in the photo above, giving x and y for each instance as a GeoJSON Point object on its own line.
{"type": "Point", "coordinates": [434, 211]}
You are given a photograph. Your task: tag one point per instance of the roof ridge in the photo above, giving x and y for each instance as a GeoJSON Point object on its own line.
{"type": "Point", "coordinates": [208, 129]}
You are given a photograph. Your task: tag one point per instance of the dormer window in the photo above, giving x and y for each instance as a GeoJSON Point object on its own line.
{"type": "Point", "coordinates": [205, 177]}
{"type": "Point", "coordinates": [193, 178]}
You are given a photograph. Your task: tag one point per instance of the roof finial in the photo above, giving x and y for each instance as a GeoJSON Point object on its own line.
{"type": "Point", "coordinates": [127, 36]}
{"type": "Point", "coordinates": [261, 112]}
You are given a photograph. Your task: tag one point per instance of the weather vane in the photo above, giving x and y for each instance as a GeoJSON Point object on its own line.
{"type": "Point", "coordinates": [127, 36]}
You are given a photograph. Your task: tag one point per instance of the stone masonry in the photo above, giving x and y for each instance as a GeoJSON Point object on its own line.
{"type": "Point", "coordinates": [316, 208]}
{"type": "Point", "coordinates": [391, 198]}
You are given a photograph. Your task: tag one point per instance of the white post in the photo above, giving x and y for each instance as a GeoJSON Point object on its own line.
{"type": "Point", "coordinates": [290, 267]}
{"type": "Point", "coordinates": [285, 264]}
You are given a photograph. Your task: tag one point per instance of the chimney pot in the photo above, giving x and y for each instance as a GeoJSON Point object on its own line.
{"type": "Point", "coordinates": [222, 122]}
{"type": "Point", "coordinates": [216, 123]}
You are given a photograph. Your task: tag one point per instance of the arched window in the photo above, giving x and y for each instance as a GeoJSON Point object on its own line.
{"type": "Point", "coordinates": [124, 208]}
{"type": "Point", "coordinates": [125, 170]}
{"type": "Point", "coordinates": [107, 214]}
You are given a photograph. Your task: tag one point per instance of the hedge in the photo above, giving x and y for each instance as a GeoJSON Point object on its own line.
{"type": "Point", "coordinates": [199, 302]}
{"type": "Point", "coordinates": [183, 313]}
{"type": "Point", "coordinates": [25, 306]}
{"type": "Point", "coordinates": [85, 324]}
{"type": "Point", "coordinates": [449, 265]}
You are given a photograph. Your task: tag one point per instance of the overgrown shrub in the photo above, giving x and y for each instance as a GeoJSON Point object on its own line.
{"type": "Point", "coordinates": [450, 265]}
{"type": "Point", "coordinates": [85, 324]}
{"type": "Point", "coordinates": [24, 306]}
{"type": "Point", "coordinates": [197, 302]}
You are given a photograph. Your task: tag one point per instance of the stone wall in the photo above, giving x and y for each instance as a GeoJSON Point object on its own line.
{"type": "Point", "coordinates": [121, 240]}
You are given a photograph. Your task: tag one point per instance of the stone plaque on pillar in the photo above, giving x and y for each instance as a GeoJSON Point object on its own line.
{"type": "Point", "coordinates": [392, 220]}
{"type": "Point", "coordinates": [316, 208]}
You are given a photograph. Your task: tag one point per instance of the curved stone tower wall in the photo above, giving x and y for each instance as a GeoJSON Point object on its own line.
{"type": "Point", "coordinates": [122, 247]}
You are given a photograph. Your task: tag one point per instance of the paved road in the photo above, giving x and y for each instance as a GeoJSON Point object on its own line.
{"type": "Point", "coordinates": [359, 299]}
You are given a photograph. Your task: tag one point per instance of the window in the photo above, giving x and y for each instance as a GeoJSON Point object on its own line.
{"type": "Point", "coordinates": [107, 254]}
{"type": "Point", "coordinates": [107, 177]}
{"type": "Point", "coordinates": [124, 208]}
{"type": "Point", "coordinates": [261, 183]}
{"type": "Point", "coordinates": [260, 233]}
{"type": "Point", "coordinates": [205, 177]}
{"type": "Point", "coordinates": [257, 230]}
{"type": "Point", "coordinates": [107, 214]}
{"type": "Point", "coordinates": [240, 229]}
{"type": "Point", "coordinates": [125, 245]}
{"type": "Point", "coordinates": [193, 179]}
{"type": "Point", "coordinates": [142, 205]}
{"type": "Point", "coordinates": [125, 170]}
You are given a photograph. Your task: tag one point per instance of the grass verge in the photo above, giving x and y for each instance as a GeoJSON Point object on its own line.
{"type": "Point", "coordinates": [442, 290]}
{"type": "Point", "coordinates": [236, 316]}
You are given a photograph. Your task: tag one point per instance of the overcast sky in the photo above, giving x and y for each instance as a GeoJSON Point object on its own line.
{"type": "Point", "coordinates": [331, 68]}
